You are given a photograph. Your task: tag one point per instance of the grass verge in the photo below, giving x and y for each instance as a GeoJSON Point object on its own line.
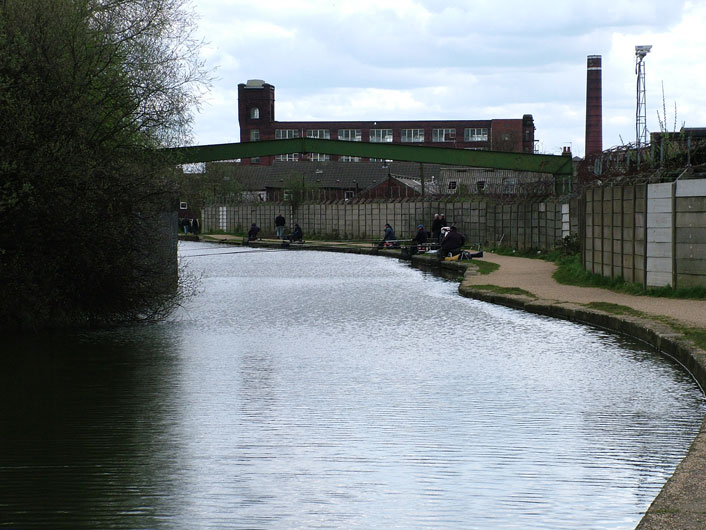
{"type": "Point", "coordinates": [615, 309]}
{"type": "Point", "coordinates": [485, 267]}
{"type": "Point", "coordinates": [570, 271]}
{"type": "Point", "coordinates": [695, 335]}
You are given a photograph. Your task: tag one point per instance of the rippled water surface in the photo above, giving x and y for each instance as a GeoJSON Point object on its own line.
{"type": "Point", "coordinates": [314, 390]}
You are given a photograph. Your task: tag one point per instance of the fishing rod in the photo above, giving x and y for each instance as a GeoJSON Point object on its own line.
{"type": "Point", "coordinates": [234, 252]}
{"type": "Point", "coordinates": [321, 248]}
{"type": "Point", "coordinates": [357, 244]}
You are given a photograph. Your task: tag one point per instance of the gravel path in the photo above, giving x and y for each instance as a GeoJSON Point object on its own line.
{"type": "Point", "coordinates": [535, 276]}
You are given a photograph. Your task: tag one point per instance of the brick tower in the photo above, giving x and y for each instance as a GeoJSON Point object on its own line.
{"type": "Point", "coordinates": [256, 113]}
{"type": "Point", "coordinates": [594, 107]}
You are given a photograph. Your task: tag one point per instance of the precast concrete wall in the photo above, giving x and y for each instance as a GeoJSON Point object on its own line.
{"type": "Point", "coordinates": [615, 231]}
{"type": "Point", "coordinates": [689, 240]}
{"type": "Point", "coordinates": [659, 234]}
{"type": "Point", "coordinates": [526, 225]}
{"type": "Point", "coordinates": [654, 234]}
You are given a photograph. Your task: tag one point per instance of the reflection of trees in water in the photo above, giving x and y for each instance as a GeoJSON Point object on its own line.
{"type": "Point", "coordinates": [86, 426]}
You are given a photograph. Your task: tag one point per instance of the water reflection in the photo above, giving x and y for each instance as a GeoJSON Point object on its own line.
{"type": "Point", "coordinates": [306, 390]}
{"type": "Point", "coordinates": [75, 450]}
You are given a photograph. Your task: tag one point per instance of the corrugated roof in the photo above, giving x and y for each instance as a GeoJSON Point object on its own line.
{"type": "Point", "coordinates": [330, 174]}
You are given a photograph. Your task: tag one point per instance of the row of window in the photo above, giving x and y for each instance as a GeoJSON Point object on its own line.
{"type": "Point", "coordinates": [319, 157]}
{"type": "Point", "coordinates": [316, 157]}
{"type": "Point", "coordinates": [470, 134]}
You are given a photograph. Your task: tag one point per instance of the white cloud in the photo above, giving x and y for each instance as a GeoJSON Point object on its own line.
{"type": "Point", "coordinates": [455, 59]}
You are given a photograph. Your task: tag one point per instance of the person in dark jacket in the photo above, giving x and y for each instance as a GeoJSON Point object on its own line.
{"type": "Point", "coordinates": [389, 236]}
{"type": "Point", "coordinates": [252, 233]}
{"type": "Point", "coordinates": [452, 243]}
{"type": "Point", "coordinates": [436, 228]}
{"type": "Point", "coordinates": [195, 226]}
{"type": "Point", "coordinates": [421, 236]}
{"type": "Point", "coordinates": [279, 225]}
{"type": "Point", "coordinates": [296, 235]}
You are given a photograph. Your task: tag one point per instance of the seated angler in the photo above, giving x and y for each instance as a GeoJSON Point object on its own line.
{"type": "Point", "coordinates": [452, 243]}
{"type": "Point", "coordinates": [389, 238]}
{"type": "Point", "coordinates": [421, 236]}
{"type": "Point", "coordinates": [297, 235]}
{"type": "Point", "coordinates": [252, 233]}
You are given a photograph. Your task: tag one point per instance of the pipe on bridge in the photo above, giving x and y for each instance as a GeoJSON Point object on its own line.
{"type": "Point", "coordinates": [560, 166]}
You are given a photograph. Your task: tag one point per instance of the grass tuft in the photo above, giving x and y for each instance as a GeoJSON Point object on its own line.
{"type": "Point", "coordinates": [485, 267]}
{"type": "Point", "coordinates": [503, 290]}
{"type": "Point", "coordinates": [615, 309]}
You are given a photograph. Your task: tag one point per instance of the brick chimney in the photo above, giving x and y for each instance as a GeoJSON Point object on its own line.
{"type": "Point", "coordinates": [594, 106]}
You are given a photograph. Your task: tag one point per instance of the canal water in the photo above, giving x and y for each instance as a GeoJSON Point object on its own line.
{"type": "Point", "coordinates": [319, 390]}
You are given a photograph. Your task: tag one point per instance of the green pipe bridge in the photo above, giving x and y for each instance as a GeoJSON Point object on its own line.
{"type": "Point", "coordinates": [559, 166]}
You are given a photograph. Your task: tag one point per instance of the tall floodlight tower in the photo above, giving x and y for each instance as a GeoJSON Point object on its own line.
{"type": "Point", "coordinates": [641, 113]}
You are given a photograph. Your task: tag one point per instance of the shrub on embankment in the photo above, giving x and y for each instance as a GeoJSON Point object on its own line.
{"type": "Point", "coordinates": [88, 91]}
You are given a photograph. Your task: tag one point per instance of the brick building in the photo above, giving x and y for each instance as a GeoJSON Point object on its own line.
{"type": "Point", "coordinates": [256, 115]}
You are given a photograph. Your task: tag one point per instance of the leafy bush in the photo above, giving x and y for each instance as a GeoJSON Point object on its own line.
{"type": "Point", "coordinates": [88, 91]}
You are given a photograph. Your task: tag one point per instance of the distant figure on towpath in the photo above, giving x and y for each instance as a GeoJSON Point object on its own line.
{"type": "Point", "coordinates": [436, 225]}
{"type": "Point", "coordinates": [389, 238]}
{"type": "Point", "coordinates": [279, 225]}
{"type": "Point", "coordinates": [421, 236]}
{"type": "Point", "coordinates": [252, 233]}
{"type": "Point", "coordinates": [297, 235]}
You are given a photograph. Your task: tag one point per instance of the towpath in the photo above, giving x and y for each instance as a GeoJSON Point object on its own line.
{"type": "Point", "coordinates": [535, 276]}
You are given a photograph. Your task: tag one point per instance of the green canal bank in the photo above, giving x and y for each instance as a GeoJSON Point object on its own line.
{"type": "Point", "coordinates": [527, 284]}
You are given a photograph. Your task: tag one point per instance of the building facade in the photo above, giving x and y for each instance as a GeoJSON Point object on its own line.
{"type": "Point", "coordinates": [256, 116]}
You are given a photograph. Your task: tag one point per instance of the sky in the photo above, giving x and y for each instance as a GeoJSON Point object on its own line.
{"type": "Point", "coordinates": [339, 60]}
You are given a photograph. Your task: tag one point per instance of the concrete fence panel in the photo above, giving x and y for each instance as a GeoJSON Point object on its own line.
{"type": "Point", "coordinates": [659, 234]}
{"type": "Point", "coordinates": [518, 225]}
{"type": "Point", "coordinates": [651, 234]}
{"type": "Point", "coordinates": [690, 233]}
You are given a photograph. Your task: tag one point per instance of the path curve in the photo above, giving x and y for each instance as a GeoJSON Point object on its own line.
{"type": "Point", "coordinates": [535, 276]}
